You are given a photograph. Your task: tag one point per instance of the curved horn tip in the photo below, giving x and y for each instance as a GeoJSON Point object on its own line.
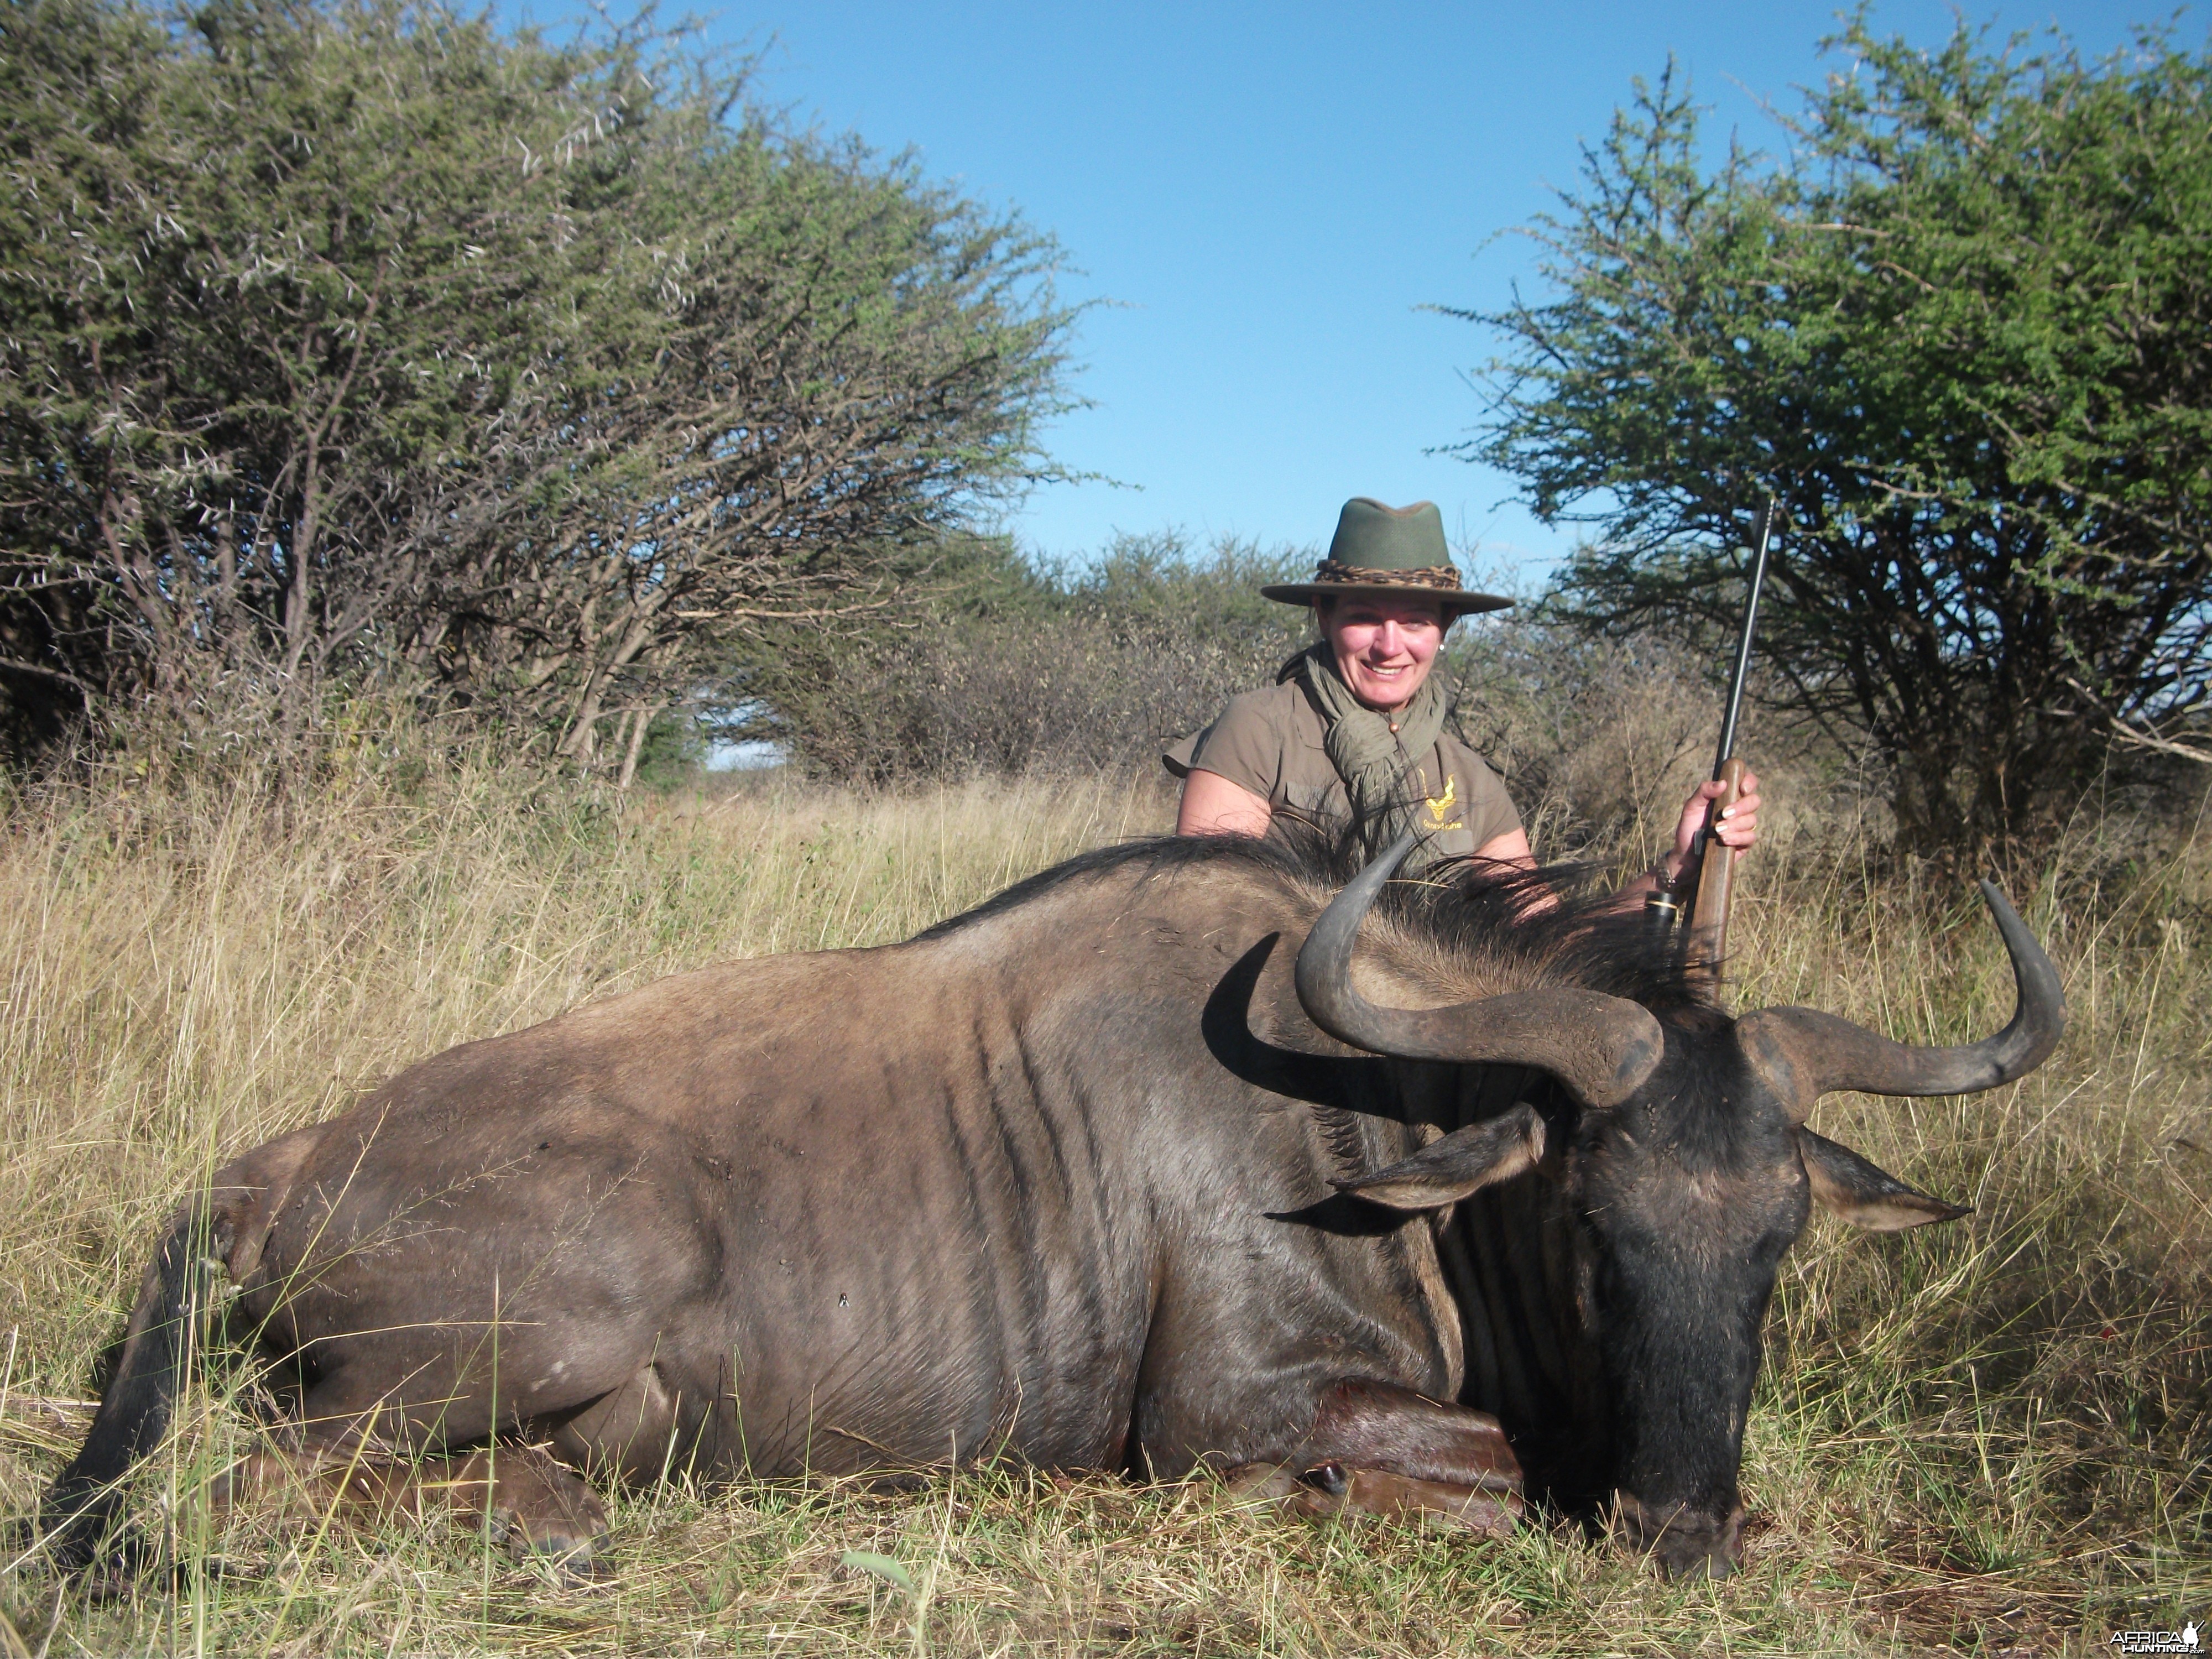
{"type": "Point", "coordinates": [1321, 972]}
{"type": "Point", "coordinates": [1395, 854]}
{"type": "Point", "coordinates": [1602, 1048]}
{"type": "Point", "coordinates": [1359, 892]}
{"type": "Point", "coordinates": [1806, 1054]}
{"type": "Point", "coordinates": [2015, 931]}
{"type": "Point", "coordinates": [2042, 995]}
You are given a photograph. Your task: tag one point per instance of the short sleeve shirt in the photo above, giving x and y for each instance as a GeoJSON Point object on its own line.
{"type": "Point", "coordinates": [1269, 741]}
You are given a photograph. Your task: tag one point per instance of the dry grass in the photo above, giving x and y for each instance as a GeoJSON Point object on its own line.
{"type": "Point", "coordinates": [1988, 1437]}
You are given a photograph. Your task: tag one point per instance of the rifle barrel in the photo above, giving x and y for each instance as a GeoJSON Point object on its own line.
{"type": "Point", "coordinates": [1743, 639]}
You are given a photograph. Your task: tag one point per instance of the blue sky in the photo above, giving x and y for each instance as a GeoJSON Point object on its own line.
{"type": "Point", "coordinates": [1269, 195]}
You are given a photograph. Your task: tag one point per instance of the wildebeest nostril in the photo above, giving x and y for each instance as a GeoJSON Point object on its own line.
{"type": "Point", "coordinates": [1684, 1542]}
{"type": "Point", "coordinates": [1693, 1565]}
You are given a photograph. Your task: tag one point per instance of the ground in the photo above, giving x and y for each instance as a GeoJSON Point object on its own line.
{"type": "Point", "coordinates": [1986, 1437]}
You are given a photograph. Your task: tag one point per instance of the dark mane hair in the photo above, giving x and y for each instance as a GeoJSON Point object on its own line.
{"type": "Point", "coordinates": [1557, 923]}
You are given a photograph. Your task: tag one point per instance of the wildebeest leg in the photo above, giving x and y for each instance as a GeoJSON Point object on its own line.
{"type": "Point", "coordinates": [535, 1504]}
{"type": "Point", "coordinates": [1328, 1488]}
{"type": "Point", "coordinates": [636, 1430]}
{"type": "Point", "coordinates": [1386, 1450]}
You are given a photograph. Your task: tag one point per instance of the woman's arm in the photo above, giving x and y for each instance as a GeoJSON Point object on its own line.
{"type": "Point", "coordinates": [1213, 805]}
{"type": "Point", "coordinates": [1739, 829]}
{"type": "Point", "coordinates": [1512, 847]}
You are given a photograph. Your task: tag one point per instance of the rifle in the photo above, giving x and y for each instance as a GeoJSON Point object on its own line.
{"type": "Point", "coordinates": [1708, 879]}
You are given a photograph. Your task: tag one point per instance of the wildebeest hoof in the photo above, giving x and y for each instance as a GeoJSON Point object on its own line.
{"type": "Point", "coordinates": [104, 1568]}
{"type": "Point", "coordinates": [1330, 1490]}
{"type": "Point", "coordinates": [542, 1510]}
{"type": "Point", "coordinates": [122, 1571]}
{"type": "Point", "coordinates": [1411, 1502]}
{"type": "Point", "coordinates": [572, 1562]}
{"type": "Point", "coordinates": [1328, 1478]}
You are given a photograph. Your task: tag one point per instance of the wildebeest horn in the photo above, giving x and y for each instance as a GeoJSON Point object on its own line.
{"type": "Point", "coordinates": [1806, 1054]}
{"type": "Point", "coordinates": [1602, 1048]}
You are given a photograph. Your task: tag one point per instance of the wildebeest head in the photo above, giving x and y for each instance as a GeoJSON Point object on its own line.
{"type": "Point", "coordinates": [1684, 1170]}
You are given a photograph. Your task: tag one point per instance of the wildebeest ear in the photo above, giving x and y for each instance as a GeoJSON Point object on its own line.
{"type": "Point", "coordinates": [1446, 1170]}
{"type": "Point", "coordinates": [1846, 1185]}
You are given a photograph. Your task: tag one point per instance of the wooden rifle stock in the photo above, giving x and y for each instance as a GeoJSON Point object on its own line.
{"type": "Point", "coordinates": [1710, 872]}
{"type": "Point", "coordinates": [1715, 877]}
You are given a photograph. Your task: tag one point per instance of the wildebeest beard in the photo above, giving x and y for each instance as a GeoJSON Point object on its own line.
{"type": "Point", "coordinates": [1175, 1155]}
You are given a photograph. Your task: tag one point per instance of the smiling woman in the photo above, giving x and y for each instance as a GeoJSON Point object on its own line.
{"type": "Point", "coordinates": [1354, 727]}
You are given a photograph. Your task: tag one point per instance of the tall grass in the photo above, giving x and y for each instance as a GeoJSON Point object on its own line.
{"type": "Point", "coordinates": [1990, 1437]}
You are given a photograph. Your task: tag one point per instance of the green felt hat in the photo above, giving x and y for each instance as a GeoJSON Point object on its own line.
{"type": "Point", "coordinates": [1389, 552]}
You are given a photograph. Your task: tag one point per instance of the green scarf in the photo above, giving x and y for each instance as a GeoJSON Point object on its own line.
{"type": "Point", "coordinates": [1375, 763]}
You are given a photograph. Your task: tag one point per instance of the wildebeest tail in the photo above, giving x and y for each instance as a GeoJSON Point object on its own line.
{"type": "Point", "coordinates": [80, 1509]}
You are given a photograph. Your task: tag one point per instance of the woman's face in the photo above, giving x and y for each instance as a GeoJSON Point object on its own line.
{"type": "Point", "coordinates": [1384, 647]}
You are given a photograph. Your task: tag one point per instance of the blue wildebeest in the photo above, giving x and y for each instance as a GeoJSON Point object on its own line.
{"type": "Point", "coordinates": [1159, 1159]}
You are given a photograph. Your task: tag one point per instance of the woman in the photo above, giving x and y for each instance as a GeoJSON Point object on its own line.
{"type": "Point", "coordinates": [1354, 727]}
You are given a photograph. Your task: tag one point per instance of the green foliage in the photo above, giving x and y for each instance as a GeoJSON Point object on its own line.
{"type": "Point", "coordinates": [361, 340]}
{"type": "Point", "coordinates": [672, 753]}
{"type": "Point", "coordinates": [1003, 666]}
{"type": "Point", "coordinates": [1963, 330]}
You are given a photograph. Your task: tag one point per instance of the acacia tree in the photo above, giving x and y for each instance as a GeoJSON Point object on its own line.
{"type": "Point", "coordinates": [847, 361]}
{"type": "Point", "coordinates": [1963, 332]}
{"type": "Point", "coordinates": [357, 341]}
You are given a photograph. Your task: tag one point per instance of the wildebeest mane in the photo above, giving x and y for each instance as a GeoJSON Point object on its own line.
{"type": "Point", "coordinates": [1556, 925]}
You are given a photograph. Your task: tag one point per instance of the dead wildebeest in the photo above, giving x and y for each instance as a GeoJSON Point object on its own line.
{"type": "Point", "coordinates": [1089, 1176]}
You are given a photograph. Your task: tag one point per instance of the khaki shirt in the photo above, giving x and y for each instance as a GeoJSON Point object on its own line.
{"type": "Point", "coordinates": [1270, 742]}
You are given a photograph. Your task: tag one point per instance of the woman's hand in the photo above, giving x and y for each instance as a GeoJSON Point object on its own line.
{"type": "Point", "coordinates": [1738, 827]}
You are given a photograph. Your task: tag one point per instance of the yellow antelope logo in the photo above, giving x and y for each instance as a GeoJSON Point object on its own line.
{"type": "Point", "coordinates": [1441, 806]}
